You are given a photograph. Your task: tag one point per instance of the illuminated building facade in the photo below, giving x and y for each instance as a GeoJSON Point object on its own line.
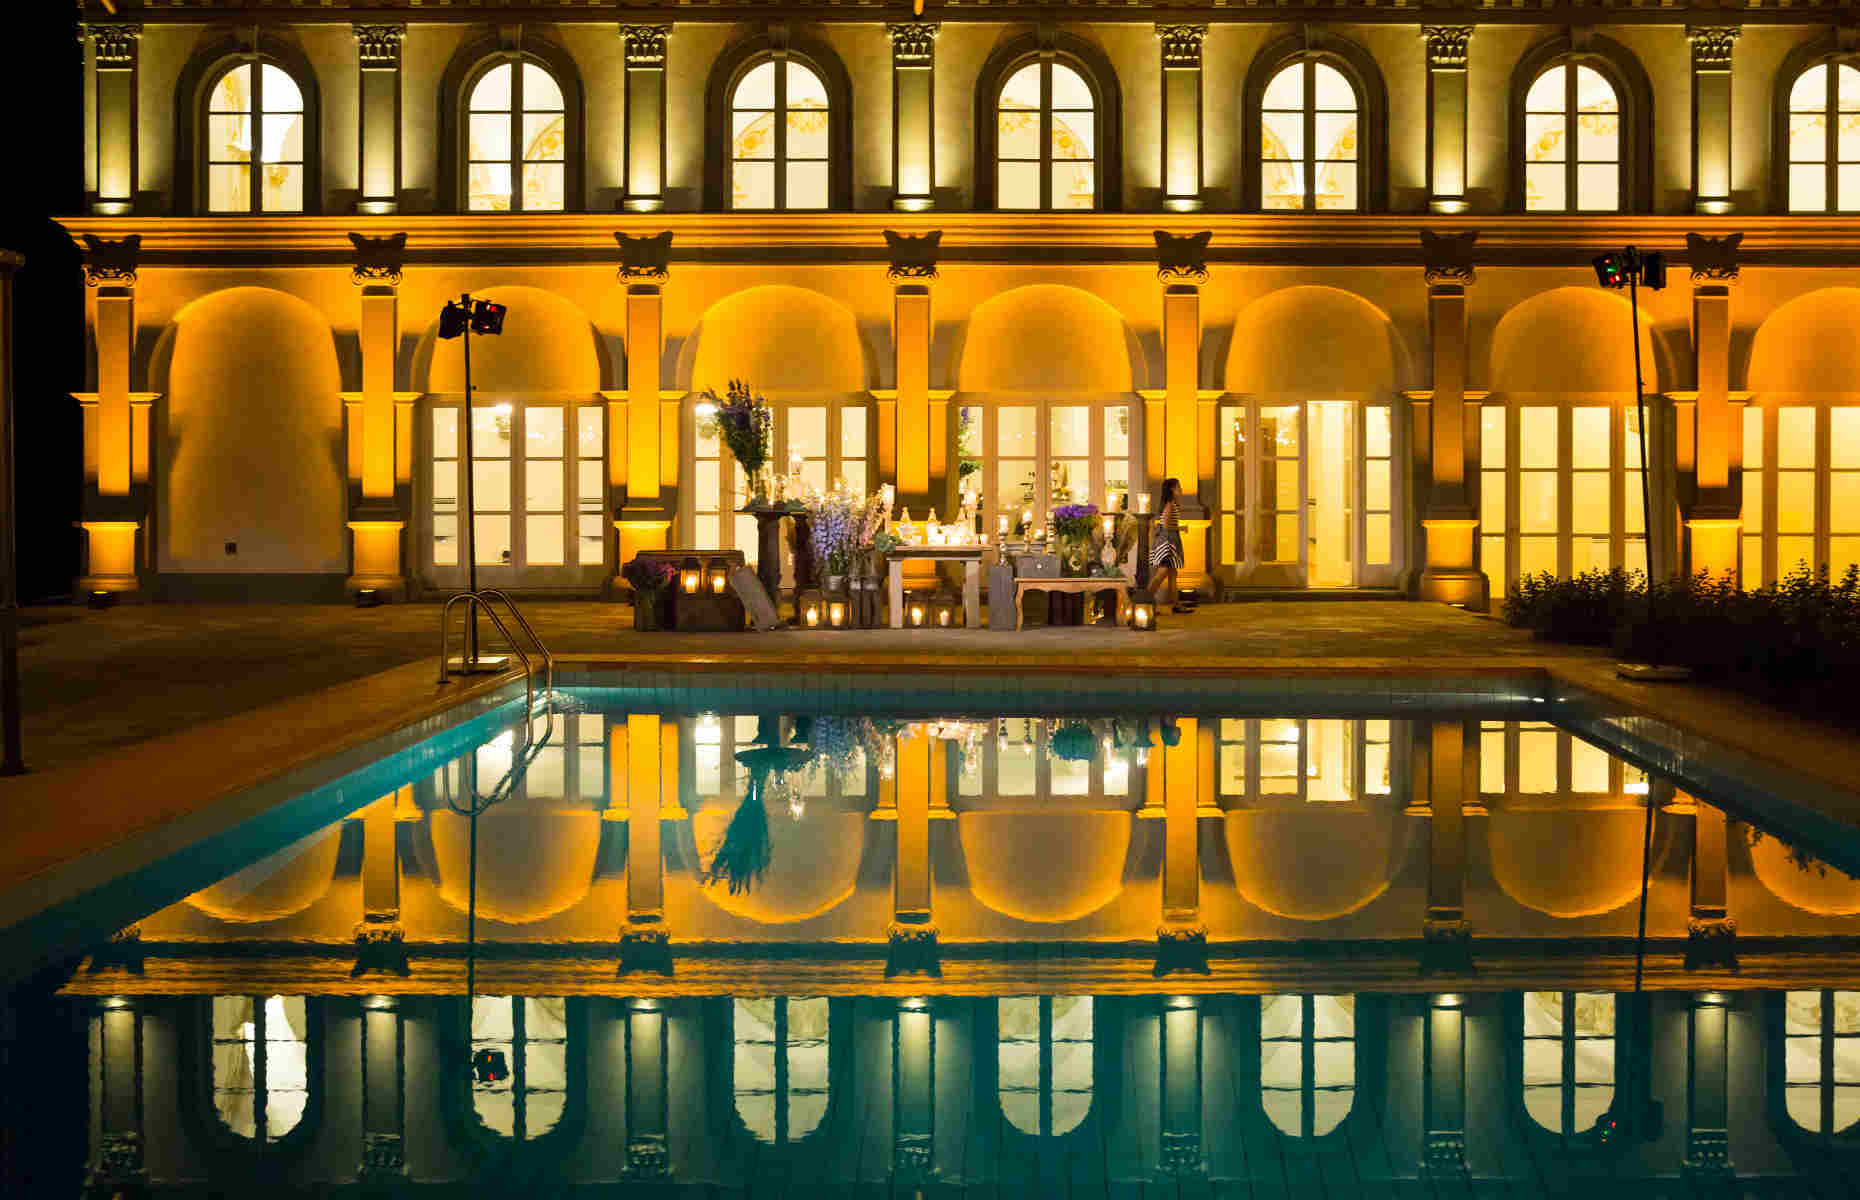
{"type": "Point", "coordinates": [961, 252]}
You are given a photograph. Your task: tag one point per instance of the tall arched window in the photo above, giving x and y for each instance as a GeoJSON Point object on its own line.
{"type": "Point", "coordinates": [1046, 139]}
{"type": "Point", "coordinates": [519, 1050]}
{"type": "Point", "coordinates": [1310, 122]}
{"type": "Point", "coordinates": [1307, 1062]}
{"type": "Point", "coordinates": [1821, 1060]}
{"type": "Point", "coordinates": [516, 140]}
{"type": "Point", "coordinates": [1569, 1059]}
{"type": "Point", "coordinates": [1572, 141]}
{"type": "Point", "coordinates": [1824, 139]}
{"type": "Point", "coordinates": [254, 140]}
{"type": "Point", "coordinates": [260, 1074]}
{"type": "Point", "coordinates": [781, 1066]}
{"type": "Point", "coordinates": [1044, 1061]}
{"type": "Point", "coordinates": [780, 149]}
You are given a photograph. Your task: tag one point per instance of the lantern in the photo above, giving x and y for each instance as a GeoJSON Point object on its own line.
{"type": "Point", "coordinates": [1142, 612]}
{"type": "Point", "coordinates": [836, 612]}
{"type": "Point", "coordinates": [719, 573]}
{"type": "Point", "coordinates": [691, 576]}
{"type": "Point", "coordinates": [916, 609]}
{"type": "Point", "coordinates": [943, 612]}
{"type": "Point", "coordinates": [813, 610]}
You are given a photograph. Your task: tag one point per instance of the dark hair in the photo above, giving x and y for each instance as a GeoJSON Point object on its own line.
{"type": "Point", "coordinates": [1170, 487]}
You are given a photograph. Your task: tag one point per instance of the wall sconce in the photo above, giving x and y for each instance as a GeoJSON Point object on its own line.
{"type": "Point", "coordinates": [1142, 612]}
{"type": "Point", "coordinates": [836, 613]}
{"type": "Point", "coordinates": [813, 609]}
{"type": "Point", "coordinates": [719, 572]}
{"type": "Point", "coordinates": [944, 611]}
{"type": "Point", "coordinates": [691, 576]}
{"type": "Point", "coordinates": [915, 609]}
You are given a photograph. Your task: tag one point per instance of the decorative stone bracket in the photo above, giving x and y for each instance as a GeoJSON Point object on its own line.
{"type": "Point", "coordinates": [1182, 258]}
{"type": "Point", "coordinates": [378, 259]}
{"type": "Point", "coordinates": [645, 258]}
{"type": "Point", "coordinates": [107, 261]}
{"type": "Point", "coordinates": [913, 256]}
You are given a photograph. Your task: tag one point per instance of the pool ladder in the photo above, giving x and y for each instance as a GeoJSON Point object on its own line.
{"type": "Point", "coordinates": [484, 600]}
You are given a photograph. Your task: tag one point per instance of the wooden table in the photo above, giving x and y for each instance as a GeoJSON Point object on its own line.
{"type": "Point", "coordinates": [1085, 585]}
{"type": "Point", "coordinates": [768, 552]}
{"type": "Point", "coordinates": [969, 556]}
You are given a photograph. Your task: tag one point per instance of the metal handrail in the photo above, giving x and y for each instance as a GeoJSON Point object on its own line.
{"type": "Point", "coordinates": [542, 651]}
{"type": "Point", "coordinates": [445, 621]}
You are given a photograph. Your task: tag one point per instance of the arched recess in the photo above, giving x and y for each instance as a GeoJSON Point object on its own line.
{"type": "Point", "coordinates": [1013, 870]}
{"type": "Point", "coordinates": [277, 886]}
{"type": "Point", "coordinates": [1316, 339]}
{"type": "Point", "coordinates": [548, 345]}
{"type": "Point", "coordinates": [1094, 67]}
{"type": "Point", "coordinates": [1571, 339]}
{"type": "Point", "coordinates": [190, 120]}
{"type": "Point", "coordinates": [1358, 67]}
{"type": "Point", "coordinates": [467, 66]}
{"type": "Point", "coordinates": [1808, 345]}
{"type": "Point", "coordinates": [728, 71]}
{"type": "Point", "coordinates": [251, 435]}
{"type": "Point", "coordinates": [1607, 842]}
{"type": "Point", "coordinates": [1314, 864]}
{"type": "Point", "coordinates": [1617, 64]}
{"type": "Point", "coordinates": [813, 864]}
{"type": "Point", "coordinates": [755, 335]}
{"type": "Point", "coordinates": [1046, 337]}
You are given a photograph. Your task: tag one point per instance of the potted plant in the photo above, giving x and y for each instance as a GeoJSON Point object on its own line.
{"type": "Point", "coordinates": [652, 580]}
{"type": "Point", "coordinates": [1074, 525]}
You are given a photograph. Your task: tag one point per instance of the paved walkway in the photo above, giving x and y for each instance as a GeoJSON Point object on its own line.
{"type": "Point", "coordinates": [96, 681]}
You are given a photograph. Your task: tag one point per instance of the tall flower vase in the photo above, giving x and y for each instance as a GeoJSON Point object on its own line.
{"type": "Point", "coordinates": [1074, 555]}
{"type": "Point", "coordinates": [759, 488]}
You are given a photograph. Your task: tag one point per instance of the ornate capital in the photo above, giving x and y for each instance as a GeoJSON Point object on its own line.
{"type": "Point", "coordinates": [645, 44]}
{"type": "Point", "coordinates": [116, 46]}
{"type": "Point", "coordinates": [1708, 1152]}
{"type": "Point", "coordinates": [1711, 942]}
{"type": "Point", "coordinates": [913, 256]}
{"type": "Point", "coordinates": [911, 935]}
{"type": "Point", "coordinates": [912, 43]}
{"type": "Point", "coordinates": [1447, 257]}
{"type": "Point", "coordinates": [1181, 1153]}
{"type": "Point", "coordinates": [1711, 46]}
{"type": "Point", "coordinates": [119, 1159]}
{"type": "Point", "coordinates": [378, 259]}
{"type": "Point", "coordinates": [1182, 257]}
{"type": "Point", "coordinates": [379, 46]}
{"type": "Point", "coordinates": [384, 1156]}
{"type": "Point", "coordinates": [108, 261]}
{"type": "Point", "coordinates": [1713, 260]}
{"type": "Point", "coordinates": [1446, 46]}
{"type": "Point", "coordinates": [646, 1155]}
{"type": "Point", "coordinates": [379, 933]}
{"type": "Point", "coordinates": [647, 258]}
{"type": "Point", "coordinates": [1181, 45]}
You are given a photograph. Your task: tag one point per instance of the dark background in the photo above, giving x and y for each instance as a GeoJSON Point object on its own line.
{"type": "Point", "coordinates": [42, 147]}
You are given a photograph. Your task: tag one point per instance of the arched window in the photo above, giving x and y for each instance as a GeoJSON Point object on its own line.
{"type": "Point", "coordinates": [1046, 139]}
{"type": "Point", "coordinates": [781, 1066]}
{"type": "Point", "coordinates": [1569, 1059]}
{"type": "Point", "coordinates": [260, 1074]}
{"type": "Point", "coordinates": [1307, 1062]}
{"type": "Point", "coordinates": [519, 1048]}
{"type": "Point", "coordinates": [1310, 121]}
{"type": "Point", "coordinates": [256, 137]}
{"type": "Point", "coordinates": [1572, 141]}
{"type": "Point", "coordinates": [1821, 1060]}
{"type": "Point", "coordinates": [780, 147]}
{"type": "Point", "coordinates": [1044, 1060]}
{"type": "Point", "coordinates": [516, 140]}
{"type": "Point", "coordinates": [1824, 139]}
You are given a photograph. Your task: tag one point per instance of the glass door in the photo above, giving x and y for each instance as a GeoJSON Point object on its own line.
{"type": "Point", "coordinates": [1042, 454]}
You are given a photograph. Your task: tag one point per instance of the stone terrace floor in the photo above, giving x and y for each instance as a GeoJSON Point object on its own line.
{"type": "Point", "coordinates": [94, 681]}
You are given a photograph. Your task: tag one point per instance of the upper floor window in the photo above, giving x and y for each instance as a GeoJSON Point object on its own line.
{"type": "Point", "coordinates": [1572, 141]}
{"type": "Point", "coordinates": [1307, 1062]}
{"type": "Point", "coordinates": [1821, 1059]}
{"type": "Point", "coordinates": [1824, 139]}
{"type": "Point", "coordinates": [260, 1077]}
{"type": "Point", "coordinates": [1310, 118]}
{"type": "Point", "coordinates": [1044, 1056]}
{"type": "Point", "coordinates": [781, 1066]}
{"type": "Point", "coordinates": [779, 143]}
{"type": "Point", "coordinates": [516, 140]}
{"type": "Point", "coordinates": [1046, 139]}
{"type": "Point", "coordinates": [1569, 1059]}
{"type": "Point", "coordinates": [255, 133]}
{"type": "Point", "coordinates": [519, 1048]}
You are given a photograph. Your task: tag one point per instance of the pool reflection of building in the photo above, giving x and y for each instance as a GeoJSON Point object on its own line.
{"type": "Point", "coordinates": [962, 922]}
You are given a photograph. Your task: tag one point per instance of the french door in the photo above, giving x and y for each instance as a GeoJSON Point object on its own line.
{"type": "Point", "coordinates": [1305, 493]}
{"type": "Point", "coordinates": [1801, 489]}
{"type": "Point", "coordinates": [540, 495]}
{"type": "Point", "coordinates": [1037, 454]}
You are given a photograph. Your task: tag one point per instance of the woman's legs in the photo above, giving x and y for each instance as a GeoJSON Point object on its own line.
{"type": "Point", "coordinates": [1162, 585]}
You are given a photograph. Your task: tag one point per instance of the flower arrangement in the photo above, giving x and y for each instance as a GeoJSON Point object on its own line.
{"type": "Point", "coordinates": [1074, 741]}
{"type": "Point", "coordinates": [842, 523]}
{"type": "Point", "coordinates": [1075, 522]}
{"type": "Point", "coordinates": [649, 574]}
{"type": "Point", "coordinates": [744, 422]}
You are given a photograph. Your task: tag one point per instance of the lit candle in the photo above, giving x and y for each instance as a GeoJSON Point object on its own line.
{"type": "Point", "coordinates": [836, 614]}
{"type": "Point", "coordinates": [917, 614]}
{"type": "Point", "coordinates": [1004, 524]}
{"type": "Point", "coordinates": [942, 616]}
{"type": "Point", "coordinates": [1107, 527]}
{"type": "Point", "coordinates": [1143, 502]}
{"type": "Point", "coordinates": [813, 616]}
{"type": "Point", "coordinates": [1143, 616]}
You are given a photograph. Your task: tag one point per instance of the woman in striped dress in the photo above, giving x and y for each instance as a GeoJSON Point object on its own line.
{"type": "Point", "coordinates": [1166, 547]}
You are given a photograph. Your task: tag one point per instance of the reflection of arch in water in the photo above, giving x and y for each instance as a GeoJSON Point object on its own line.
{"type": "Point", "coordinates": [813, 863]}
{"type": "Point", "coordinates": [277, 886]}
{"type": "Point", "coordinates": [1044, 1062]}
{"type": "Point", "coordinates": [782, 1065]}
{"type": "Point", "coordinates": [1046, 337]}
{"type": "Point", "coordinates": [1595, 866]}
{"type": "Point", "coordinates": [1013, 869]}
{"type": "Point", "coordinates": [531, 865]}
{"type": "Point", "coordinates": [1803, 882]}
{"type": "Point", "coordinates": [1314, 864]}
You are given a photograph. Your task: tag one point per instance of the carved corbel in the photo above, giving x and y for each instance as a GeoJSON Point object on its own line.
{"type": "Point", "coordinates": [1448, 257]}
{"type": "Point", "coordinates": [645, 948]}
{"type": "Point", "coordinates": [378, 259]}
{"type": "Point", "coordinates": [1182, 258]}
{"type": "Point", "coordinates": [1713, 260]}
{"type": "Point", "coordinates": [913, 256]}
{"type": "Point", "coordinates": [645, 259]}
{"type": "Point", "coordinates": [912, 949]}
{"type": "Point", "coordinates": [107, 261]}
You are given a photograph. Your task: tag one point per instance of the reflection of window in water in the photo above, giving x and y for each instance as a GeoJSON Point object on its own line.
{"type": "Point", "coordinates": [1044, 1062]}
{"type": "Point", "coordinates": [1307, 1062]}
{"type": "Point", "coordinates": [1821, 1059]}
{"type": "Point", "coordinates": [1020, 760]}
{"type": "Point", "coordinates": [532, 1035]}
{"type": "Point", "coordinates": [1569, 1059]}
{"type": "Point", "coordinates": [260, 1064]}
{"type": "Point", "coordinates": [1531, 758]}
{"type": "Point", "coordinates": [1316, 761]}
{"type": "Point", "coordinates": [781, 1065]}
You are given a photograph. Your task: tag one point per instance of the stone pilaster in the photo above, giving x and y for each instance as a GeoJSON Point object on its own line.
{"type": "Point", "coordinates": [908, 437]}
{"type": "Point", "coordinates": [913, 116]}
{"type": "Point", "coordinates": [117, 1161]}
{"type": "Point", "coordinates": [1708, 1099]}
{"type": "Point", "coordinates": [1444, 1121]}
{"type": "Point", "coordinates": [379, 507]}
{"type": "Point", "coordinates": [1448, 779]}
{"type": "Point", "coordinates": [378, 51]}
{"type": "Point", "coordinates": [1446, 116]}
{"type": "Point", "coordinates": [1180, 1085]}
{"type": "Point", "coordinates": [913, 1091]}
{"type": "Point", "coordinates": [116, 428]}
{"type": "Point", "coordinates": [1711, 116]}
{"type": "Point", "coordinates": [644, 152]}
{"type": "Point", "coordinates": [1710, 443]}
{"type": "Point", "coordinates": [115, 54]}
{"type": "Point", "coordinates": [1182, 268]}
{"type": "Point", "coordinates": [1181, 115]}
{"type": "Point", "coordinates": [648, 1150]}
{"type": "Point", "coordinates": [384, 1087]}
{"type": "Point", "coordinates": [1711, 931]}
{"type": "Point", "coordinates": [637, 463]}
{"type": "Point", "coordinates": [1448, 520]}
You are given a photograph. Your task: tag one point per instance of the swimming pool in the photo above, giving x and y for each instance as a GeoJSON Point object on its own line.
{"type": "Point", "coordinates": [945, 933]}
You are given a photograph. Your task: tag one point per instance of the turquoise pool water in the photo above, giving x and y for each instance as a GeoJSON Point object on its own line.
{"type": "Point", "coordinates": [1265, 939]}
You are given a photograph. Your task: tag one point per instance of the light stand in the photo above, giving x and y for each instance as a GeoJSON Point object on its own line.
{"type": "Point", "coordinates": [1630, 268]}
{"type": "Point", "coordinates": [462, 318]}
